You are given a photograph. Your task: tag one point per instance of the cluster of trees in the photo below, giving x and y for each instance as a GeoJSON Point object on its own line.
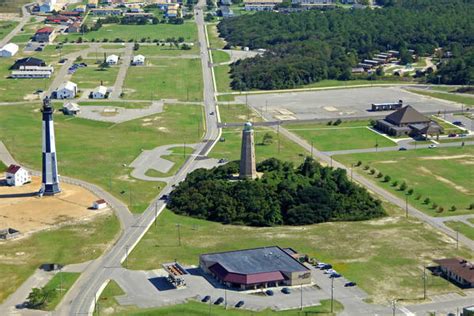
{"type": "Point", "coordinates": [309, 46]}
{"type": "Point", "coordinates": [285, 195]}
{"type": "Point", "coordinates": [458, 70]}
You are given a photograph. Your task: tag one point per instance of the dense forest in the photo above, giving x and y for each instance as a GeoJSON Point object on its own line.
{"type": "Point", "coordinates": [284, 194]}
{"type": "Point", "coordinates": [310, 46]}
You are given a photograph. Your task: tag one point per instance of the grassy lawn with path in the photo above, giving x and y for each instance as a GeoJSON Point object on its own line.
{"type": "Point", "coordinates": [466, 100]}
{"type": "Point", "coordinates": [90, 77]}
{"type": "Point", "coordinates": [462, 228]}
{"type": "Point", "coordinates": [238, 113]}
{"type": "Point", "coordinates": [68, 244]}
{"type": "Point", "coordinates": [347, 135]}
{"type": "Point", "coordinates": [163, 51]}
{"type": "Point", "coordinates": [444, 175]}
{"type": "Point", "coordinates": [167, 79]}
{"type": "Point", "coordinates": [178, 156]}
{"type": "Point", "coordinates": [6, 26]}
{"type": "Point", "coordinates": [60, 283]}
{"type": "Point", "coordinates": [100, 152]}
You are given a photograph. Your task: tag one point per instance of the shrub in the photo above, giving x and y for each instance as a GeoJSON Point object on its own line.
{"type": "Point", "coordinates": [403, 186]}
{"type": "Point", "coordinates": [372, 171]}
{"type": "Point", "coordinates": [410, 191]}
{"type": "Point", "coordinates": [329, 123]}
{"type": "Point", "coordinates": [441, 209]}
{"type": "Point", "coordinates": [337, 122]}
{"type": "Point", "coordinates": [427, 200]}
{"type": "Point", "coordinates": [386, 179]}
{"type": "Point", "coordinates": [434, 205]}
{"type": "Point", "coordinates": [394, 183]}
{"type": "Point", "coordinates": [366, 167]}
{"type": "Point", "coordinates": [453, 208]}
{"type": "Point", "coordinates": [418, 196]}
{"type": "Point", "coordinates": [471, 206]}
{"type": "Point", "coordinates": [360, 163]}
{"type": "Point", "coordinates": [380, 175]}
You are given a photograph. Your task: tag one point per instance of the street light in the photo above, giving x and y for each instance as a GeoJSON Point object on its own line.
{"type": "Point", "coordinates": [332, 295]}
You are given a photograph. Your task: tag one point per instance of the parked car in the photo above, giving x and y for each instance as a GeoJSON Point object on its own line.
{"type": "Point", "coordinates": [432, 146]}
{"type": "Point", "coordinates": [63, 60]}
{"type": "Point", "coordinates": [38, 49]}
{"type": "Point", "coordinates": [335, 275]}
{"type": "Point", "coordinates": [219, 301]}
{"type": "Point", "coordinates": [239, 304]}
{"type": "Point", "coordinates": [329, 271]}
{"type": "Point", "coordinates": [458, 123]}
{"type": "Point", "coordinates": [222, 160]}
{"type": "Point", "coordinates": [206, 299]}
{"type": "Point", "coordinates": [452, 135]}
{"type": "Point", "coordinates": [164, 197]}
{"type": "Point", "coordinates": [269, 292]}
{"type": "Point", "coordinates": [350, 284]}
{"type": "Point", "coordinates": [326, 267]}
{"type": "Point", "coordinates": [285, 290]}
{"type": "Point", "coordinates": [212, 113]}
{"type": "Point", "coordinates": [402, 149]}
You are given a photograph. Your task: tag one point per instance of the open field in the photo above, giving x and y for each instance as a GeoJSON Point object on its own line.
{"type": "Point", "coordinates": [347, 135]}
{"type": "Point", "coordinates": [5, 26]}
{"type": "Point", "coordinates": [160, 51]}
{"type": "Point", "coordinates": [169, 79]}
{"type": "Point", "coordinates": [219, 56]}
{"type": "Point", "coordinates": [126, 105]}
{"type": "Point", "coordinates": [100, 152]}
{"type": "Point", "coordinates": [466, 100]}
{"type": "Point", "coordinates": [395, 249]}
{"type": "Point", "coordinates": [12, 6]}
{"type": "Point", "coordinates": [222, 78]}
{"type": "Point", "coordinates": [65, 245]}
{"type": "Point", "coordinates": [237, 113]}
{"type": "Point", "coordinates": [462, 228]}
{"type": "Point", "coordinates": [60, 283]}
{"type": "Point", "coordinates": [187, 30]}
{"type": "Point", "coordinates": [91, 77]}
{"type": "Point", "coordinates": [215, 41]}
{"type": "Point", "coordinates": [444, 175]}
{"type": "Point", "coordinates": [22, 213]}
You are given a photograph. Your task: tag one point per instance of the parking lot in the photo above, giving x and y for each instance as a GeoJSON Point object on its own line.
{"type": "Point", "coordinates": [337, 103]}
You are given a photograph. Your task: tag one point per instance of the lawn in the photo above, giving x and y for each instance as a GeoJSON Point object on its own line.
{"type": "Point", "coordinates": [178, 156]}
{"type": "Point", "coordinates": [462, 228]}
{"type": "Point", "coordinates": [466, 100]}
{"type": "Point", "coordinates": [160, 51]}
{"type": "Point", "coordinates": [219, 56]}
{"type": "Point", "coordinates": [447, 127]}
{"type": "Point", "coordinates": [6, 27]}
{"type": "Point", "coordinates": [12, 6]}
{"type": "Point", "coordinates": [395, 248]}
{"type": "Point", "coordinates": [167, 79]}
{"type": "Point", "coordinates": [222, 76]}
{"type": "Point", "coordinates": [347, 135]}
{"type": "Point", "coordinates": [99, 152]}
{"type": "Point", "coordinates": [61, 282]}
{"type": "Point", "coordinates": [237, 113]}
{"type": "Point", "coordinates": [187, 30]}
{"type": "Point", "coordinates": [123, 104]}
{"type": "Point", "coordinates": [444, 175]}
{"type": "Point", "coordinates": [91, 77]}
{"type": "Point", "coordinates": [65, 245]}
{"type": "Point", "coordinates": [215, 41]}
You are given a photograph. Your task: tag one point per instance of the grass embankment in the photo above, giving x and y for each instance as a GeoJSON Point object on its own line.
{"type": "Point", "coordinates": [444, 175]}
{"type": "Point", "coordinates": [222, 74]}
{"type": "Point", "coordinates": [347, 135]}
{"type": "Point", "coordinates": [467, 100]}
{"type": "Point", "coordinates": [462, 228]}
{"type": "Point", "coordinates": [166, 79]}
{"type": "Point", "coordinates": [60, 284]}
{"type": "Point", "coordinates": [65, 245]}
{"type": "Point", "coordinates": [12, 6]}
{"type": "Point", "coordinates": [219, 56]}
{"type": "Point", "coordinates": [91, 77]}
{"type": "Point", "coordinates": [448, 127]}
{"type": "Point", "coordinates": [215, 42]}
{"type": "Point", "coordinates": [100, 152]}
{"type": "Point", "coordinates": [395, 248]}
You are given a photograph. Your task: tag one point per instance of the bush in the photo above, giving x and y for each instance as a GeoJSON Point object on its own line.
{"type": "Point", "coordinates": [337, 122]}
{"type": "Point", "coordinates": [441, 209]}
{"type": "Point", "coordinates": [329, 123]}
{"type": "Point", "coordinates": [471, 206]}
{"type": "Point", "coordinates": [380, 175]}
{"type": "Point", "coordinates": [360, 163]}
{"type": "Point", "coordinates": [366, 167]}
{"type": "Point", "coordinates": [394, 183]}
{"type": "Point", "coordinates": [453, 208]}
{"type": "Point", "coordinates": [372, 171]}
{"type": "Point", "coordinates": [427, 200]}
{"type": "Point", "coordinates": [403, 186]}
{"type": "Point", "coordinates": [434, 205]}
{"type": "Point", "coordinates": [386, 179]}
{"type": "Point", "coordinates": [410, 192]}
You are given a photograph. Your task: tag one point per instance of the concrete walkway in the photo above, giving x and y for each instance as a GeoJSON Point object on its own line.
{"type": "Point", "coordinates": [125, 63]}
{"type": "Point", "coordinates": [102, 112]}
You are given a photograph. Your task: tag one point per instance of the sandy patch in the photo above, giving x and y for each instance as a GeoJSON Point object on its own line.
{"type": "Point", "coordinates": [31, 213]}
{"type": "Point", "coordinates": [125, 177]}
{"type": "Point", "coordinates": [446, 157]}
{"type": "Point", "coordinates": [163, 129]}
{"type": "Point", "coordinates": [146, 120]}
{"type": "Point", "coordinates": [147, 124]}
{"type": "Point", "coordinates": [387, 161]}
{"type": "Point", "coordinates": [330, 108]}
{"type": "Point", "coordinates": [460, 188]}
{"type": "Point", "coordinates": [384, 221]}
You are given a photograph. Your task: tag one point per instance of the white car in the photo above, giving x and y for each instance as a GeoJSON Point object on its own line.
{"type": "Point", "coordinates": [330, 271]}
{"type": "Point", "coordinates": [432, 146]}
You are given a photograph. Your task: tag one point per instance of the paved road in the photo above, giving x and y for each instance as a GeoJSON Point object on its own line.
{"type": "Point", "coordinates": [25, 19]}
{"type": "Point", "coordinates": [125, 63]}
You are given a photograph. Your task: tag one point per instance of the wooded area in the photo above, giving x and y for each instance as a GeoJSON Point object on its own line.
{"type": "Point", "coordinates": [307, 47]}
{"type": "Point", "coordinates": [285, 195]}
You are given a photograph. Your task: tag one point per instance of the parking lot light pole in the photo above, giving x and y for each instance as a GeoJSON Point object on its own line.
{"type": "Point", "coordinates": [301, 297]}
{"type": "Point", "coordinates": [424, 283]}
{"type": "Point", "coordinates": [332, 295]}
{"type": "Point", "coordinates": [225, 297]}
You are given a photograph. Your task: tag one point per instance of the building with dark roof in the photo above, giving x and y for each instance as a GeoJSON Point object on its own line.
{"type": "Point", "coordinates": [408, 121]}
{"type": "Point", "coordinates": [45, 34]}
{"type": "Point", "coordinates": [28, 62]}
{"type": "Point", "coordinates": [256, 268]}
{"type": "Point", "coordinates": [457, 270]}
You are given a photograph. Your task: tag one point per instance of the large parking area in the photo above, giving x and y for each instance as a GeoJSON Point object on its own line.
{"type": "Point", "coordinates": [339, 103]}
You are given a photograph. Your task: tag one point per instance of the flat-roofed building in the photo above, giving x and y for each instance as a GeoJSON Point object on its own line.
{"type": "Point", "coordinates": [261, 5]}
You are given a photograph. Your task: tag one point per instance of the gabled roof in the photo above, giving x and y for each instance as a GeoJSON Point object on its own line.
{"type": "Point", "coordinates": [406, 115]}
{"type": "Point", "coordinates": [100, 89]}
{"type": "Point", "coordinates": [458, 266]}
{"type": "Point", "coordinates": [13, 169]}
{"type": "Point", "coordinates": [71, 106]}
{"type": "Point", "coordinates": [45, 30]}
{"type": "Point", "coordinates": [28, 61]}
{"type": "Point", "coordinates": [68, 85]}
{"type": "Point", "coordinates": [11, 47]}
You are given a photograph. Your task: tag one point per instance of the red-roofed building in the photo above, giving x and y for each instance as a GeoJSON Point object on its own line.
{"type": "Point", "coordinates": [45, 34]}
{"type": "Point", "coordinates": [99, 204]}
{"type": "Point", "coordinates": [58, 19]}
{"type": "Point", "coordinates": [458, 270]}
{"type": "Point", "coordinates": [17, 176]}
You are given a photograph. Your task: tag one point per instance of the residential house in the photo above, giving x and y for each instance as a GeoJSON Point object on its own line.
{"type": "Point", "coordinates": [99, 204]}
{"type": "Point", "coordinates": [45, 34]}
{"type": "Point", "coordinates": [80, 8]}
{"type": "Point", "coordinates": [314, 3]}
{"type": "Point", "coordinates": [9, 50]}
{"type": "Point", "coordinates": [17, 176]}
{"type": "Point", "coordinates": [112, 59]}
{"type": "Point", "coordinates": [92, 4]}
{"type": "Point", "coordinates": [74, 27]}
{"type": "Point", "coordinates": [226, 11]}
{"type": "Point", "coordinates": [408, 121]}
{"type": "Point", "coordinates": [99, 93]}
{"type": "Point", "coordinates": [58, 19]}
{"type": "Point", "coordinates": [138, 60]}
{"type": "Point", "coordinates": [106, 11]}
{"type": "Point", "coordinates": [47, 6]}
{"type": "Point", "coordinates": [261, 5]}
{"type": "Point", "coordinates": [172, 11]}
{"type": "Point", "coordinates": [71, 108]}
{"type": "Point", "coordinates": [458, 270]}
{"type": "Point", "coordinates": [28, 61]}
{"type": "Point", "coordinates": [136, 17]}
{"type": "Point", "coordinates": [71, 14]}
{"type": "Point", "coordinates": [67, 90]}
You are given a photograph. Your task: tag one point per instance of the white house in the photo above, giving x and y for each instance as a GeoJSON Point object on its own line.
{"type": "Point", "coordinates": [67, 90]}
{"type": "Point", "coordinates": [71, 108]}
{"type": "Point", "coordinates": [99, 93]}
{"type": "Point", "coordinates": [138, 60]}
{"type": "Point", "coordinates": [112, 59]}
{"type": "Point", "coordinates": [17, 176]}
{"type": "Point", "coordinates": [9, 50]}
{"type": "Point", "coordinates": [99, 204]}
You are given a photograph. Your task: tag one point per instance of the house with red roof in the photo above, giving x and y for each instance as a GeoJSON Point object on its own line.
{"type": "Point", "coordinates": [44, 34]}
{"type": "Point", "coordinates": [17, 176]}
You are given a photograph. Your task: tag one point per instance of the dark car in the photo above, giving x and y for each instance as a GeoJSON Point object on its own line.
{"type": "Point", "coordinates": [402, 148]}
{"type": "Point", "coordinates": [240, 304]}
{"type": "Point", "coordinates": [206, 299]}
{"type": "Point", "coordinates": [62, 61]}
{"type": "Point", "coordinates": [326, 267]}
{"type": "Point", "coordinates": [458, 123]}
{"type": "Point", "coordinates": [285, 290]}
{"type": "Point", "coordinates": [164, 197]}
{"type": "Point", "coordinates": [452, 135]}
{"type": "Point", "coordinates": [38, 49]}
{"type": "Point", "coordinates": [335, 275]}
{"type": "Point", "coordinates": [269, 292]}
{"type": "Point", "coordinates": [219, 301]}
{"type": "Point", "coordinates": [350, 284]}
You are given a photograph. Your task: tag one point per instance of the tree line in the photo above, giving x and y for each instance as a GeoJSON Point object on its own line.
{"type": "Point", "coordinates": [310, 46]}
{"type": "Point", "coordinates": [284, 195]}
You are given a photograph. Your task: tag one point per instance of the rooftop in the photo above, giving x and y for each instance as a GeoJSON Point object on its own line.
{"type": "Point", "coordinates": [459, 266]}
{"type": "Point", "coordinates": [406, 115]}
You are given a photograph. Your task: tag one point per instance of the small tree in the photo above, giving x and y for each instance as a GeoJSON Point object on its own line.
{"type": "Point", "coordinates": [136, 46]}
{"type": "Point", "coordinates": [427, 200]}
{"type": "Point", "coordinates": [441, 209]}
{"type": "Point", "coordinates": [267, 139]}
{"type": "Point", "coordinates": [453, 208]}
{"type": "Point", "coordinates": [79, 59]}
{"type": "Point", "coordinates": [372, 171]}
{"type": "Point", "coordinates": [329, 123]}
{"type": "Point", "coordinates": [394, 183]}
{"type": "Point", "coordinates": [471, 206]}
{"type": "Point", "coordinates": [366, 167]}
{"type": "Point", "coordinates": [410, 191]}
{"type": "Point", "coordinates": [358, 163]}
{"type": "Point", "coordinates": [337, 122]}
{"type": "Point", "coordinates": [403, 186]}
{"type": "Point", "coordinates": [386, 179]}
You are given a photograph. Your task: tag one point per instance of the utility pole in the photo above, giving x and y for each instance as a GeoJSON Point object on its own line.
{"type": "Point", "coordinates": [278, 134]}
{"type": "Point", "coordinates": [225, 297]}
{"type": "Point", "coordinates": [179, 234]}
{"type": "Point", "coordinates": [424, 283]}
{"type": "Point", "coordinates": [332, 295]}
{"type": "Point", "coordinates": [311, 149]}
{"type": "Point", "coordinates": [184, 150]}
{"type": "Point", "coordinates": [406, 206]}
{"type": "Point", "coordinates": [156, 212]}
{"type": "Point", "coordinates": [457, 237]}
{"type": "Point", "coordinates": [394, 307]}
{"type": "Point", "coordinates": [301, 297]}
{"type": "Point", "coordinates": [130, 195]}
{"type": "Point", "coordinates": [331, 160]}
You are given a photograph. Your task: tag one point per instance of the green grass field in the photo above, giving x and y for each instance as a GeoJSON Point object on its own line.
{"type": "Point", "coordinates": [447, 127]}
{"type": "Point", "coordinates": [466, 100]}
{"type": "Point", "coordinates": [237, 113]}
{"type": "Point", "coordinates": [91, 77]}
{"type": "Point", "coordinates": [68, 244]}
{"type": "Point", "coordinates": [471, 220]}
{"type": "Point", "coordinates": [219, 56]}
{"type": "Point", "coordinates": [97, 151]}
{"type": "Point", "coordinates": [462, 228]}
{"type": "Point", "coordinates": [221, 74]}
{"type": "Point", "coordinates": [347, 135]}
{"type": "Point", "coordinates": [6, 26]}
{"type": "Point", "coordinates": [159, 51]}
{"type": "Point", "coordinates": [123, 104]}
{"type": "Point", "coordinates": [12, 6]}
{"type": "Point", "coordinates": [444, 175]}
{"type": "Point", "coordinates": [395, 248]}
{"type": "Point", "coordinates": [215, 41]}
{"type": "Point", "coordinates": [60, 283]}
{"type": "Point", "coordinates": [167, 79]}
{"type": "Point", "coordinates": [187, 30]}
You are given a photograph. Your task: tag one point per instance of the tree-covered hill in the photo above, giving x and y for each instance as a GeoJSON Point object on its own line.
{"type": "Point", "coordinates": [309, 46]}
{"type": "Point", "coordinates": [285, 195]}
